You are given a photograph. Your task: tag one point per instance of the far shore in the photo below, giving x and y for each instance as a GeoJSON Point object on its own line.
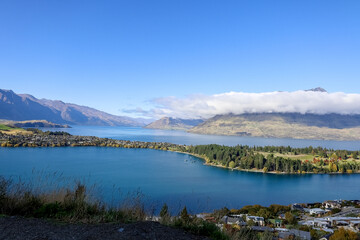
{"type": "Point", "coordinates": [62, 139]}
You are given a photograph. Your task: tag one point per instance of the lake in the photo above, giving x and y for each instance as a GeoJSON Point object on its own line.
{"type": "Point", "coordinates": [175, 178]}
{"type": "Point", "coordinates": [181, 137]}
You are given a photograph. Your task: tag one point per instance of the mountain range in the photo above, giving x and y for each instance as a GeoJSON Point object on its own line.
{"type": "Point", "coordinates": [273, 125]}
{"type": "Point", "coordinates": [23, 107]}
{"type": "Point", "coordinates": [20, 107]}
{"type": "Point", "coordinates": [169, 123]}
{"type": "Point", "coordinates": [283, 125]}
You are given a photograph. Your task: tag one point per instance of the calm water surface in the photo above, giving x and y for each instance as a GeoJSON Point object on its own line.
{"type": "Point", "coordinates": [181, 137]}
{"type": "Point", "coordinates": [175, 178]}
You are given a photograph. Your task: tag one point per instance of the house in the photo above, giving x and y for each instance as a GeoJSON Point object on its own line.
{"type": "Point", "coordinates": [316, 211]}
{"type": "Point", "coordinates": [233, 220]}
{"type": "Point", "coordinates": [297, 207]}
{"type": "Point", "coordinates": [281, 229]}
{"type": "Point", "coordinates": [326, 237]}
{"type": "Point", "coordinates": [257, 220]}
{"type": "Point", "coordinates": [201, 215]}
{"type": "Point", "coordinates": [262, 229]}
{"type": "Point", "coordinates": [292, 233]}
{"type": "Point", "coordinates": [313, 205]}
{"type": "Point", "coordinates": [276, 222]}
{"type": "Point", "coordinates": [331, 204]}
{"type": "Point", "coordinates": [343, 221]}
{"type": "Point", "coordinates": [355, 225]}
{"type": "Point", "coordinates": [328, 230]}
{"type": "Point", "coordinates": [317, 222]}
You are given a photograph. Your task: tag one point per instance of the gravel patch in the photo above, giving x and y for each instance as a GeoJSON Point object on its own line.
{"type": "Point", "coordinates": [39, 229]}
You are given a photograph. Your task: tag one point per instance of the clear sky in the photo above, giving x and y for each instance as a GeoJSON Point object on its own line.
{"type": "Point", "coordinates": [115, 55]}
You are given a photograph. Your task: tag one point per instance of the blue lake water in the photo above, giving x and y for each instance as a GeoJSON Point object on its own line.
{"type": "Point", "coordinates": [181, 137]}
{"type": "Point", "coordinates": [175, 178]}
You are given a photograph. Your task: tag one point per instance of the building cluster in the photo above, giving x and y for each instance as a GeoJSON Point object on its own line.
{"type": "Point", "coordinates": [62, 139]}
{"type": "Point", "coordinates": [324, 218]}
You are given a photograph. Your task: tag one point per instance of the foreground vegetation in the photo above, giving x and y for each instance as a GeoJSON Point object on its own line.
{"type": "Point", "coordinates": [77, 204]}
{"type": "Point", "coordinates": [270, 159]}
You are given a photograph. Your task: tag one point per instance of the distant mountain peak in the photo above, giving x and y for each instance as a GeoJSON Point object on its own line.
{"type": "Point", "coordinates": [171, 123]}
{"type": "Point", "coordinates": [22, 107]}
{"type": "Point", "coordinates": [318, 89]}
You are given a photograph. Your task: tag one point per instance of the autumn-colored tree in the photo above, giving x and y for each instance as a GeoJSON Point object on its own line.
{"type": "Point", "coordinates": [334, 168]}
{"type": "Point", "coordinates": [344, 234]}
{"type": "Point", "coordinates": [355, 155]}
{"type": "Point", "coordinates": [231, 164]}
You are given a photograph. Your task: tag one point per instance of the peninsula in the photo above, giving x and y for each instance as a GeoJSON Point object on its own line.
{"type": "Point", "coordinates": [268, 159]}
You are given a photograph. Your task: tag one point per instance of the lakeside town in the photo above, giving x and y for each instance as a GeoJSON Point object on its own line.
{"type": "Point", "coordinates": [37, 138]}
{"type": "Point", "coordinates": [333, 219]}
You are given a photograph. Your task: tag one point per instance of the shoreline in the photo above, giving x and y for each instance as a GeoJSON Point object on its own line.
{"type": "Point", "coordinates": [205, 160]}
{"type": "Point", "coordinates": [63, 139]}
{"type": "Point", "coordinates": [208, 163]}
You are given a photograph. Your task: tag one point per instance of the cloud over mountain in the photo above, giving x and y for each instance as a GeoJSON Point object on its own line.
{"type": "Point", "coordinates": [203, 106]}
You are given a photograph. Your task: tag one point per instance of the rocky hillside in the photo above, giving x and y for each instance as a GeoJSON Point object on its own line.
{"type": "Point", "coordinates": [284, 125]}
{"type": "Point", "coordinates": [170, 123]}
{"type": "Point", "coordinates": [20, 107]}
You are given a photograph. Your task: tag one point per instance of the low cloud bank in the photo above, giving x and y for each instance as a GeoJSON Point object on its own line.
{"type": "Point", "coordinates": [202, 106]}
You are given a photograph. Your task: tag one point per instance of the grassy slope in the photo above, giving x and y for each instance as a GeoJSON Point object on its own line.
{"type": "Point", "coordinates": [4, 127]}
{"type": "Point", "coordinates": [12, 130]}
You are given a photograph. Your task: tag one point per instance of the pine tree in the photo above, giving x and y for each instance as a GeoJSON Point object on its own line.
{"type": "Point", "coordinates": [184, 215]}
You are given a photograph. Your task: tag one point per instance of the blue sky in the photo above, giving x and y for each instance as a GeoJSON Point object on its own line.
{"type": "Point", "coordinates": [115, 55]}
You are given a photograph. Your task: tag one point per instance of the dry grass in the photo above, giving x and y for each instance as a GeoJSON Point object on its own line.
{"type": "Point", "coordinates": [5, 129]}
{"type": "Point", "coordinates": [63, 201]}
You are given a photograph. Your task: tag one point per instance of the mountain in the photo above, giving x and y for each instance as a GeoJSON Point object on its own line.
{"type": "Point", "coordinates": [20, 107]}
{"type": "Point", "coordinates": [318, 89]}
{"type": "Point", "coordinates": [170, 123]}
{"type": "Point", "coordinates": [284, 125]}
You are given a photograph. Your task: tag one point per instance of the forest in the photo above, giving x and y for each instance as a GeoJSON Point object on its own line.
{"type": "Point", "coordinates": [279, 159]}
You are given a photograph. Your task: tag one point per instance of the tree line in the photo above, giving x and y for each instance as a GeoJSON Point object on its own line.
{"type": "Point", "coordinates": [246, 157]}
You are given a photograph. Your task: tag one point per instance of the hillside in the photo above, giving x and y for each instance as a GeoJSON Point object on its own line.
{"type": "Point", "coordinates": [284, 125]}
{"type": "Point", "coordinates": [169, 123]}
{"type": "Point", "coordinates": [21, 107]}
{"type": "Point", "coordinates": [32, 124]}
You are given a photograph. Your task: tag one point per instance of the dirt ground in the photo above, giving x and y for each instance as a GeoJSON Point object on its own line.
{"type": "Point", "coordinates": [39, 229]}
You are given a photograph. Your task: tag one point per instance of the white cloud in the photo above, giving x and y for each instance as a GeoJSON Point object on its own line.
{"type": "Point", "coordinates": [203, 106]}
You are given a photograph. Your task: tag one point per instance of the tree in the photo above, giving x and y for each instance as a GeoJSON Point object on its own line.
{"type": "Point", "coordinates": [231, 164]}
{"type": "Point", "coordinates": [164, 211]}
{"type": "Point", "coordinates": [291, 219]}
{"type": "Point", "coordinates": [250, 223]}
{"type": "Point", "coordinates": [184, 215]}
{"type": "Point", "coordinates": [263, 212]}
{"type": "Point", "coordinates": [334, 168]}
{"type": "Point", "coordinates": [343, 234]}
{"type": "Point", "coordinates": [334, 156]}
